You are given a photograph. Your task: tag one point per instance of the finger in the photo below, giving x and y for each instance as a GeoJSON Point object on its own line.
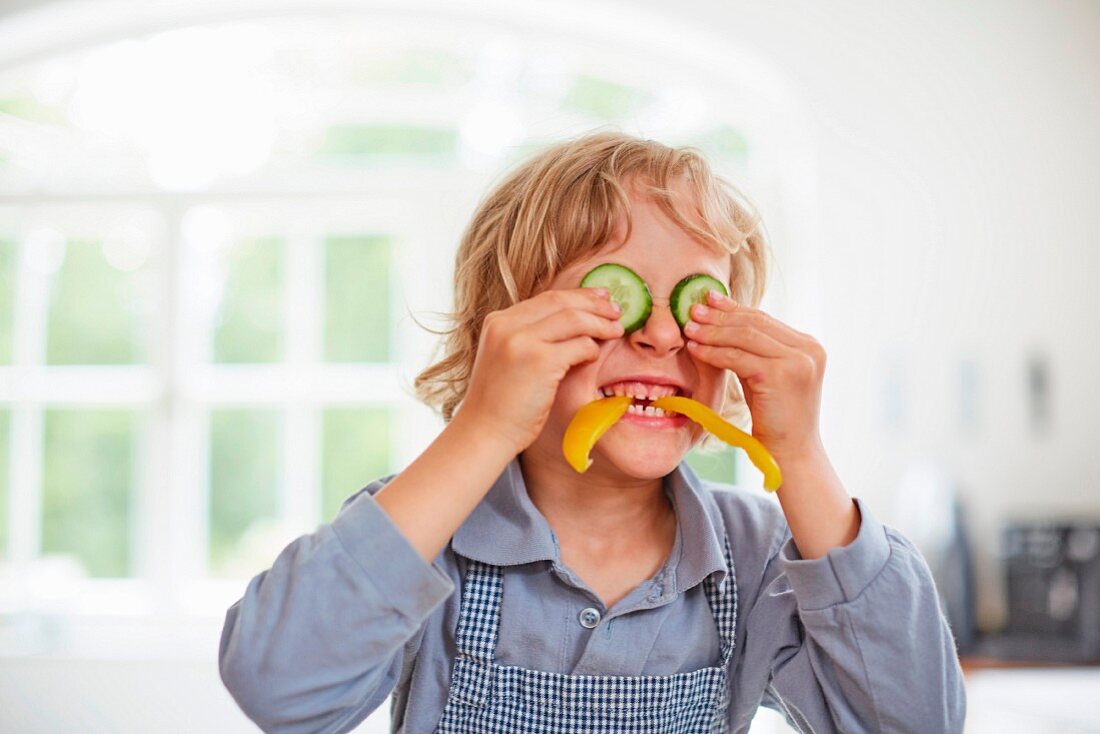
{"type": "Point", "coordinates": [782, 332]}
{"type": "Point", "coordinates": [577, 350]}
{"type": "Point", "coordinates": [540, 306]}
{"type": "Point", "coordinates": [574, 322]}
{"type": "Point", "coordinates": [722, 309]}
{"type": "Point", "coordinates": [747, 366]}
{"type": "Point", "coordinates": [746, 337]}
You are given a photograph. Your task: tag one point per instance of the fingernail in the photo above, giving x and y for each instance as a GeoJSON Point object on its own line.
{"type": "Point", "coordinates": [715, 296]}
{"type": "Point", "coordinates": [602, 292]}
{"type": "Point", "coordinates": [691, 327]}
{"type": "Point", "coordinates": [617, 308]}
{"type": "Point", "coordinates": [701, 310]}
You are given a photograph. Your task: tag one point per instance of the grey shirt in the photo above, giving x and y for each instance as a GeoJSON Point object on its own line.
{"type": "Point", "coordinates": [854, 641]}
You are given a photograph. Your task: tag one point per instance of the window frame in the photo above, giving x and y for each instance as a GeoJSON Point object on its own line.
{"type": "Point", "coordinates": [177, 388]}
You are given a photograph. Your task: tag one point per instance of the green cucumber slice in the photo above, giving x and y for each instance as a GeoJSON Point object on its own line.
{"type": "Point", "coordinates": [626, 288]}
{"type": "Point", "coordinates": [691, 290]}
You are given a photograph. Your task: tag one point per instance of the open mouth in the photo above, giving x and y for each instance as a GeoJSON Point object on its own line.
{"type": "Point", "coordinates": [643, 395]}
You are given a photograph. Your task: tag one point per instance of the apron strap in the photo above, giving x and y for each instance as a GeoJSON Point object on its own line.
{"type": "Point", "coordinates": [723, 605]}
{"type": "Point", "coordinates": [479, 614]}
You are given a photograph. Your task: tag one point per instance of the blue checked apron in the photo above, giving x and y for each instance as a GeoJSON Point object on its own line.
{"type": "Point", "coordinates": [486, 698]}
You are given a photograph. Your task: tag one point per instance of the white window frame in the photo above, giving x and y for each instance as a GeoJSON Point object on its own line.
{"type": "Point", "coordinates": [180, 386]}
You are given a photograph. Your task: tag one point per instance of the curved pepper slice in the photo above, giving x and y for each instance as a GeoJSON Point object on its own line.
{"type": "Point", "coordinates": [591, 422]}
{"type": "Point", "coordinates": [731, 434]}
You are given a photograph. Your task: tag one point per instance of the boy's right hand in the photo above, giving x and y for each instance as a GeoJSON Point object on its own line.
{"type": "Point", "coordinates": [524, 352]}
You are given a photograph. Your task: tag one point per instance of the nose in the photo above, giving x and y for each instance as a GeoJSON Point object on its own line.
{"type": "Point", "coordinates": [660, 334]}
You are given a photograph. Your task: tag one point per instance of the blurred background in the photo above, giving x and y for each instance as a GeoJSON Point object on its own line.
{"type": "Point", "coordinates": [217, 219]}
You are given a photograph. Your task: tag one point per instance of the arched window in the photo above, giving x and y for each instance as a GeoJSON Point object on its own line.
{"type": "Point", "coordinates": [213, 228]}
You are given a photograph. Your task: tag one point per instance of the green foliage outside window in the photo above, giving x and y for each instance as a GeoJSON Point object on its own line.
{"type": "Point", "coordinates": [7, 299]}
{"type": "Point", "coordinates": [245, 472]}
{"type": "Point", "coordinates": [28, 107]}
{"type": "Point", "coordinates": [724, 141]}
{"type": "Point", "coordinates": [248, 326]}
{"type": "Point", "coordinates": [717, 466]}
{"type": "Point", "coordinates": [356, 452]}
{"type": "Point", "coordinates": [368, 141]}
{"type": "Point", "coordinates": [358, 284]}
{"type": "Point", "coordinates": [92, 314]}
{"type": "Point", "coordinates": [5, 486]}
{"type": "Point", "coordinates": [88, 484]}
{"type": "Point", "coordinates": [604, 99]}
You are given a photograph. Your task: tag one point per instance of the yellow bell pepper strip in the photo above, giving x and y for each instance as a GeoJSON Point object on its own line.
{"type": "Point", "coordinates": [729, 433]}
{"type": "Point", "coordinates": [591, 422]}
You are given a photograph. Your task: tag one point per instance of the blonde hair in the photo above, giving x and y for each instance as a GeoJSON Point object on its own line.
{"type": "Point", "coordinates": [563, 204]}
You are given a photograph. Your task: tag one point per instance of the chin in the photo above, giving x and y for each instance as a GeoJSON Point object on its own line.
{"type": "Point", "coordinates": [652, 467]}
{"type": "Point", "coordinates": [642, 461]}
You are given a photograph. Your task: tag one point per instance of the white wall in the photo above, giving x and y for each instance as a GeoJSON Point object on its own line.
{"type": "Point", "coordinates": [958, 171]}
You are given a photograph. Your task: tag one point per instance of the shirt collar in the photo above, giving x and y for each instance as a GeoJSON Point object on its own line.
{"type": "Point", "coordinates": [506, 528]}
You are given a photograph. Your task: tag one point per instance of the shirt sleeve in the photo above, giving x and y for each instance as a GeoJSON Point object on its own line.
{"type": "Point", "coordinates": [867, 648]}
{"type": "Point", "coordinates": [318, 641]}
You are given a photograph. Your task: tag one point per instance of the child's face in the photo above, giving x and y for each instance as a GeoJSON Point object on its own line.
{"type": "Point", "coordinates": [661, 253]}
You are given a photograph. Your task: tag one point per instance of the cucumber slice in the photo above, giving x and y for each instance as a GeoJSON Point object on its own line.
{"type": "Point", "coordinates": [691, 290]}
{"type": "Point", "coordinates": [626, 288]}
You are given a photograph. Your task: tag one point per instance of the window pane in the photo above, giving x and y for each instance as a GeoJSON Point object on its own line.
{"type": "Point", "coordinates": [244, 480]}
{"type": "Point", "coordinates": [723, 141]}
{"type": "Point", "coordinates": [88, 488]}
{"type": "Point", "coordinates": [358, 281]}
{"type": "Point", "coordinates": [356, 452]}
{"type": "Point", "coordinates": [99, 305]}
{"type": "Point", "coordinates": [248, 325]}
{"type": "Point", "coordinates": [27, 106]}
{"type": "Point", "coordinates": [716, 466]}
{"type": "Point", "coordinates": [7, 298]}
{"type": "Point", "coordinates": [603, 98]}
{"type": "Point", "coordinates": [5, 487]}
{"type": "Point", "coordinates": [387, 141]}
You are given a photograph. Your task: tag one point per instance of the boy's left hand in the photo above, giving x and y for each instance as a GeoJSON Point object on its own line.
{"type": "Point", "coordinates": [780, 369]}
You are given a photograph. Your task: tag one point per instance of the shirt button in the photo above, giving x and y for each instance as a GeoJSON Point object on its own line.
{"type": "Point", "coordinates": [589, 617]}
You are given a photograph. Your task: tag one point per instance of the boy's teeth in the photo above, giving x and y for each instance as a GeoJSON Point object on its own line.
{"type": "Point", "coordinates": [648, 411]}
{"type": "Point", "coordinates": [638, 391]}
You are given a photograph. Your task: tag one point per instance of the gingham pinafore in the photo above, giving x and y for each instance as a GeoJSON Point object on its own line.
{"type": "Point", "coordinates": [486, 698]}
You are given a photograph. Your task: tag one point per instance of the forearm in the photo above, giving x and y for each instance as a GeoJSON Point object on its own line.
{"type": "Point", "coordinates": [861, 609]}
{"type": "Point", "coordinates": [431, 498]}
{"type": "Point", "coordinates": [819, 511]}
{"type": "Point", "coordinates": [319, 637]}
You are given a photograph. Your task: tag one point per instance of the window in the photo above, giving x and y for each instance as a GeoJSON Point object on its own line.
{"type": "Point", "coordinates": [206, 344]}
{"type": "Point", "coordinates": [222, 373]}
{"type": "Point", "coordinates": [244, 479]}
